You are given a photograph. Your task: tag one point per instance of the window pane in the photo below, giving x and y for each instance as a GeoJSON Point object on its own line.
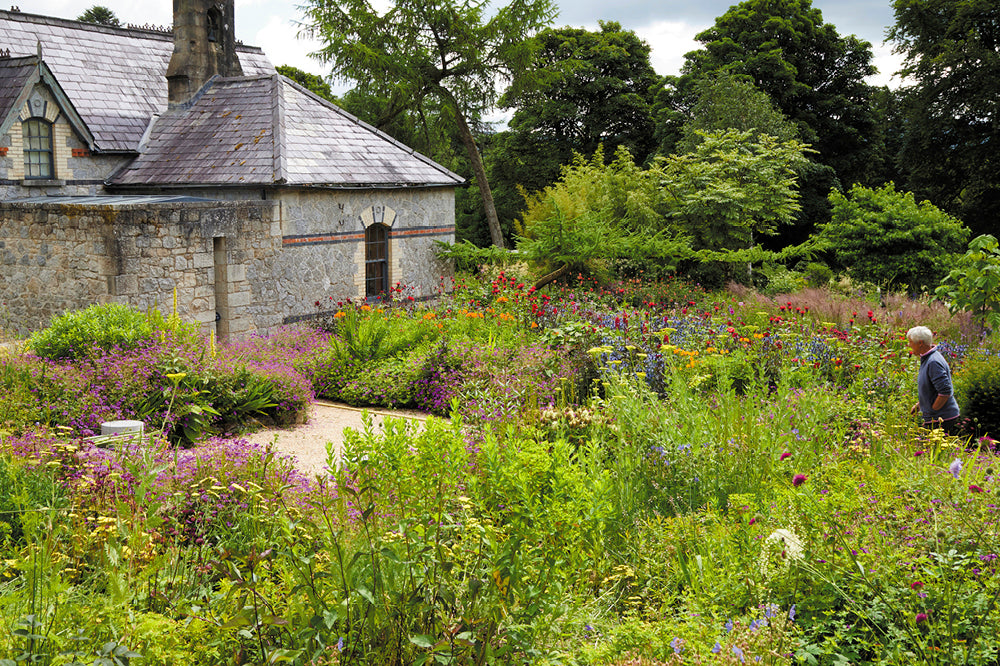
{"type": "Point", "coordinates": [38, 149]}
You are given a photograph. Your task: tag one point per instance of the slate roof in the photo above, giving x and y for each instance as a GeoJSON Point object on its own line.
{"type": "Point", "coordinates": [114, 76]}
{"type": "Point", "coordinates": [14, 74]}
{"type": "Point", "coordinates": [268, 130]}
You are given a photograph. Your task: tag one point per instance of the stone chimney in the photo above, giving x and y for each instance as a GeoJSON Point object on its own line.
{"type": "Point", "coordinates": [204, 45]}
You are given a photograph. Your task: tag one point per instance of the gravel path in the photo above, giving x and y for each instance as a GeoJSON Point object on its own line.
{"type": "Point", "coordinates": [327, 422]}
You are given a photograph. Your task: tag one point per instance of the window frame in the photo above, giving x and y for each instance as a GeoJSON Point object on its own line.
{"type": "Point", "coordinates": [376, 261]}
{"type": "Point", "coordinates": [45, 155]}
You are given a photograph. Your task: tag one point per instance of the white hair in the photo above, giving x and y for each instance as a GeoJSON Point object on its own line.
{"type": "Point", "coordinates": [920, 334]}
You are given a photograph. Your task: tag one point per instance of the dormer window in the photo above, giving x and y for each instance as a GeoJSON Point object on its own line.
{"type": "Point", "coordinates": [38, 162]}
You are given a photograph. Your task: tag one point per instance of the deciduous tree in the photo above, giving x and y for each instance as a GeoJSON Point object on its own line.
{"type": "Point", "coordinates": [952, 50]}
{"type": "Point", "coordinates": [419, 50]}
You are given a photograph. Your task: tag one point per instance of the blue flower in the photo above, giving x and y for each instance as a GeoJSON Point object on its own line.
{"type": "Point", "coordinates": [716, 649]}
{"type": "Point", "coordinates": [791, 613]}
{"type": "Point", "coordinates": [955, 468]}
{"type": "Point", "coordinates": [729, 626]}
{"type": "Point", "coordinates": [739, 653]}
{"type": "Point", "coordinates": [676, 645]}
{"type": "Point", "coordinates": [340, 644]}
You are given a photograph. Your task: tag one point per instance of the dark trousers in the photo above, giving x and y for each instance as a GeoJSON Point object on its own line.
{"type": "Point", "coordinates": [950, 426]}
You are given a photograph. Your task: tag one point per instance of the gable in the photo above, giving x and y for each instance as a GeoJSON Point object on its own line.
{"type": "Point", "coordinates": [28, 89]}
{"type": "Point", "coordinates": [115, 77]}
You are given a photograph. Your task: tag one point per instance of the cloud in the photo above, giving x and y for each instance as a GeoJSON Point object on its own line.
{"type": "Point", "coordinates": [668, 42]}
{"type": "Point", "coordinates": [888, 64]}
{"type": "Point", "coordinates": [280, 41]}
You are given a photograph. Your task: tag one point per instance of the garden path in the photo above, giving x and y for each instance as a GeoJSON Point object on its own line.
{"type": "Point", "coordinates": [327, 421]}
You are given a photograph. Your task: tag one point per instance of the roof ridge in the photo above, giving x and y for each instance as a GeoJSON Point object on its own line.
{"type": "Point", "coordinates": [278, 130]}
{"type": "Point", "coordinates": [375, 130]}
{"type": "Point", "coordinates": [144, 32]}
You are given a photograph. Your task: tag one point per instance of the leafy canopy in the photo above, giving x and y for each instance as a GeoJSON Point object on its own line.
{"type": "Point", "coordinates": [974, 283]}
{"type": "Point", "coordinates": [815, 76]}
{"type": "Point", "coordinates": [952, 52]}
{"type": "Point", "coordinates": [443, 50]}
{"type": "Point", "coordinates": [884, 236]}
{"type": "Point", "coordinates": [100, 15]}
{"type": "Point", "coordinates": [726, 102]}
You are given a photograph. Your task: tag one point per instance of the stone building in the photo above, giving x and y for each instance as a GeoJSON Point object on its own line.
{"type": "Point", "coordinates": [135, 162]}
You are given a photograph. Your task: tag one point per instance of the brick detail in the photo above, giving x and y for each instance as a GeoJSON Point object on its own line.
{"type": "Point", "coordinates": [3, 151]}
{"type": "Point", "coordinates": [81, 152]}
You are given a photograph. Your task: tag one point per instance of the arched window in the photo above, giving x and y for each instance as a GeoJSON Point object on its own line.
{"type": "Point", "coordinates": [376, 260]}
{"type": "Point", "coordinates": [37, 149]}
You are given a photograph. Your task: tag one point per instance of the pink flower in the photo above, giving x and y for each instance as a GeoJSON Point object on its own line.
{"type": "Point", "coordinates": [916, 585]}
{"type": "Point", "coordinates": [752, 521]}
{"type": "Point", "coordinates": [799, 479]}
{"type": "Point", "coordinates": [919, 453]}
{"type": "Point", "coordinates": [785, 454]}
{"type": "Point", "coordinates": [921, 617]}
{"type": "Point", "coordinates": [975, 489]}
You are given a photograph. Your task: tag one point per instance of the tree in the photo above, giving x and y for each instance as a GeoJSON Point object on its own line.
{"type": "Point", "coordinates": [726, 102]}
{"type": "Point", "coordinates": [814, 76]}
{"type": "Point", "coordinates": [310, 82]}
{"type": "Point", "coordinates": [733, 187]}
{"type": "Point", "coordinates": [596, 213]}
{"type": "Point", "coordinates": [100, 15]}
{"type": "Point", "coordinates": [422, 50]}
{"type": "Point", "coordinates": [595, 91]}
{"type": "Point", "coordinates": [886, 237]}
{"type": "Point", "coordinates": [974, 284]}
{"type": "Point", "coordinates": [952, 52]}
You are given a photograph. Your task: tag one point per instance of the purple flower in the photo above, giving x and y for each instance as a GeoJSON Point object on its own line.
{"type": "Point", "coordinates": [799, 479]}
{"type": "Point", "coordinates": [716, 649]}
{"type": "Point", "coordinates": [340, 644]}
{"type": "Point", "coordinates": [921, 617]}
{"type": "Point", "coordinates": [955, 468]}
{"type": "Point", "coordinates": [739, 653]}
{"type": "Point", "coordinates": [729, 626]}
{"type": "Point", "coordinates": [677, 645]}
{"type": "Point", "coordinates": [791, 613]}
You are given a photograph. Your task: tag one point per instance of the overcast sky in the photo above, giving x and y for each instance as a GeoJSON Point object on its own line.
{"type": "Point", "coordinates": [668, 26]}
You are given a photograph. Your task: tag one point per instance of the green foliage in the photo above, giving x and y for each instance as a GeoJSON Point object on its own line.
{"type": "Point", "coordinates": [22, 489]}
{"type": "Point", "coordinates": [595, 91]}
{"type": "Point", "coordinates": [951, 115]}
{"type": "Point", "coordinates": [471, 258]}
{"type": "Point", "coordinates": [726, 102]}
{"type": "Point", "coordinates": [974, 283]}
{"type": "Point", "coordinates": [100, 327]}
{"type": "Point", "coordinates": [449, 52]}
{"type": "Point", "coordinates": [815, 77]}
{"type": "Point", "coordinates": [311, 82]}
{"type": "Point", "coordinates": [977, 389]}
{"type": "Point", "coordinates": [100, 15]}
{"type": "Point", "coordinates": [817, 274]}
{"type": "Point", "coordinates": [886, 237]}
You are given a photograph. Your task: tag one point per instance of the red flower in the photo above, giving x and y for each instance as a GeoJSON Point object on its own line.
{"type": "Point", "coordinates": [785, 454]}
{"type": "Point", "coordinates": [921, 617]}
{"type": "Point", "coordinates": [975, 489]}
{"type": "Point", "coordinates": [916, 585]}
{"type": "Point", "coordinates": [799, 479]}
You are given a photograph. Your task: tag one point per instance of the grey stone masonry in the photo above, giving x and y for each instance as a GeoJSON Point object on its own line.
{"type": "Point", "coordinates": [56, 257]}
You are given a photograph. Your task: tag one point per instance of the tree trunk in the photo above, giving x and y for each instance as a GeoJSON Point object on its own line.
{"type": "Point", "coordinates": [478, 170]}
{"type": "Point", "coordinates": [551, 277]}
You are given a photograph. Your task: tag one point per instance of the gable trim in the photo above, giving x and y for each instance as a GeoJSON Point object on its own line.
{"type": "Point", "coordinates": [42, 74]}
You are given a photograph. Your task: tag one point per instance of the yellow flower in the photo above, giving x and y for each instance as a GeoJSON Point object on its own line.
{"type": "Point", "coordinates": [176, 377]}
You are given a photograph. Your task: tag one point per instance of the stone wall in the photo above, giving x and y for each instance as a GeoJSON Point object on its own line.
{"type": "Point", "coordinates": [323, 237]}
{"type": "Point", "coordinates": [59, 257]}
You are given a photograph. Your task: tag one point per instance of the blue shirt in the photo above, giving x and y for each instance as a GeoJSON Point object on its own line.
{"type": "Point", "coordinates": [934, 379]}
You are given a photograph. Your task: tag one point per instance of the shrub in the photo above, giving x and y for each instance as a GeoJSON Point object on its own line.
{"type": "Point", "coordinates": [974, 285]}
{"type": "Point", "coordinates": [886, 237]}
{"type": "Point", "coordinates": [103, 327]}
{"type": "Point", "coordinates": [977, 388]}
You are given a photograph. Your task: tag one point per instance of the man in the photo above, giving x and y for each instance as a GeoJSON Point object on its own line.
{"type": "Point", "coordinates": [936, 401]}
